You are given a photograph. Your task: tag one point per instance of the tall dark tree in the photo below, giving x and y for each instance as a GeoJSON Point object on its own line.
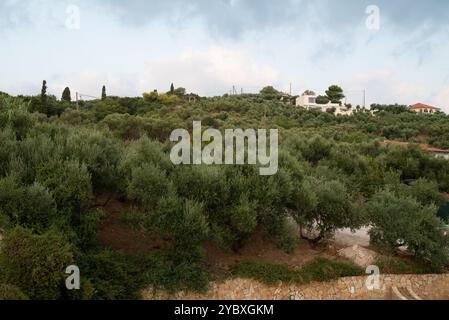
{"type": "Point", "coordinates": [66, 96]}
{"type": "Point", "coordinates": [172, 89]}
{"type": "Point", "coordinates": [44, 90]}
{"type": "Point", "coordinates": [335, 94]}
{"type": "Point", "coordinates": [103, 93]}
{"type": "Point", "coordinates": [44, 108]}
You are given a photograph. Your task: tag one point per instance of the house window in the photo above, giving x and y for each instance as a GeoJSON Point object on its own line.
{"type": "Point", "coordinates": [312, 100]}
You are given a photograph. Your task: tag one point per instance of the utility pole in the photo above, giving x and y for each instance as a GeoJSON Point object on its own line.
{"type": "Point", "coordinates": [364, 98]}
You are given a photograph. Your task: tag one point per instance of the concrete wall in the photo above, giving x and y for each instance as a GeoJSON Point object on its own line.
{"type": "Point", "coordinates": [427, 287]}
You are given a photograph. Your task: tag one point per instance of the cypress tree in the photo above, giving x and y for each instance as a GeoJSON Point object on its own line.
{"type": "Point", "coordinates": [103, 93]}
{"type": "Point", "coordinates": [44, 90]}
{"type": "Point", "coordinates": [172, 89]}
{"type": "Point", "coordinates": [66, 96]}
{"type": "Point", "coordinates": [44, 108]}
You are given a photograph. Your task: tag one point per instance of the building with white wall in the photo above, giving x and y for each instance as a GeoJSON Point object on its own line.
{"type": "Point", "coordinates": [308, 101]}
{"type": "Point", "coordinates": [424, 108]}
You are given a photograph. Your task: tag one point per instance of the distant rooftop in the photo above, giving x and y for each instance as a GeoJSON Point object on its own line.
{"type": "Point", "coordinates": [423, 106]}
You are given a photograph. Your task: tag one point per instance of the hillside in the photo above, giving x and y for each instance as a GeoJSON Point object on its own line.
{"type": "Point", "coordinates": [91, 184]}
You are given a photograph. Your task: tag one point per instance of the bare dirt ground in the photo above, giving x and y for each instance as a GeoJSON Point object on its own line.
{"type": "Point", "coordinates": [257, 249]}
{"type": "Point", "coordinates": [116, 234]}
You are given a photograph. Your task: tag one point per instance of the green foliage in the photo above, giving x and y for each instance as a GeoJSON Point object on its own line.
{"type": "Point", "coordinates": [394, 108]}
{"type": "Point", "coordinates": [32, 207]}
{"type": "Point", "coordinates": [101, 154]}
{"type": "Point", "coordinates": [147, 184]}
{"type": "Point", "coordinates": [161, 99]}
{"type": "Point", "coordinates": [398, 265]}
{"type": "Point", "coordinates": [36, 263]}
{"type": "Point", "coordinates": [322, 100]}
{"type": "Point", "coordinates": [53, 158]}
{"type": "Point", "coordinates": [103, 93]}
{"type": "Point", "coordinates": [335, 94]}
{"type": "Point", "coordinates": [66, 96]}
{"type": "Point", "coordinates": [318, 270]}
{"type": "Point", "coordinates": [166, 271]}
{"type": "Point", "coordinates": [114, 276]}
{"type": "Point", "coordinates": [322, 269]}
{"type": "Point", "coordinates": [70, 183]}
{"type": "Point", "coordinates": [401, 221]}
{"type": "Point", "coordinates": [87, 230]}
{"type": "Point", "coordinates": [11, 293]}
{"type": "Point", "coordinates": [269, 93]}
{"type": "Point", "coordinates": [326, 206]}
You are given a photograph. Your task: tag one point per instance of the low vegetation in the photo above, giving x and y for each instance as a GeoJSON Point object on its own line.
{"type": "Point", "coordinates": [318, 270]}
{"type": "Point", "coordinates": [57, 157]}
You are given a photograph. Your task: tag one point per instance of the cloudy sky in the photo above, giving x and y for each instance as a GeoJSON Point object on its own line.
{"type": "Point", "coordinates": [208, 46]}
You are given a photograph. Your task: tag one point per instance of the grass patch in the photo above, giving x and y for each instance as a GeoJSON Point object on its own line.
{"type": "Point", "coordinates": [322, 269]}
{"type": "Point", "coordinates": [319, 270]}
{"type": "Point", "coordinates": [265, 272]}
{"type": "Point", "coordinates": [163, 270]}
{"type": "Point", "coordinates": [398, 265]}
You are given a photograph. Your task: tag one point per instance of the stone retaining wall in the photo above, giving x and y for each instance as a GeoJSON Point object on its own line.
{"type": "Point", "coordinates": [427, 287]}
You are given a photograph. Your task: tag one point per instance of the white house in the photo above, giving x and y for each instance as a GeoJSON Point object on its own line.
{"type": "Point", "coordinates": [424, 108]}
{"type": "Point", "coordinates": [308, 100]}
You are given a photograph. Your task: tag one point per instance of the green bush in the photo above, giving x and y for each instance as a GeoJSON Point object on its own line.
{"type": "Point", "coordinates": [322, 269]}
{"type": "Point", "coordinates": [36, 263]}
{"type": "Point", "coordinates": [319, 270]}
{"type": "Point", "coordinates": [148, 183]}
{"type": "Point", "coordinates": [168, 271]}
{"type": "Point", "coordinates": [101, 153]}
{"type": "Point", "coordinates": [401, 221]}
{"type": "Point", "coordinates": [70, 183]}
{"type": "Point", "coordinates": [398, 265]}
{"type": "Point", "coordinates": [87, 230]}
{"type": "Point", "coordinates": [114, 276]}
{"type": "Point", "coordinates": [32, 207]}
{"type": "Point", "coordinates": [266, 272]}
{"type": "Point", "coordinates": [11, 293]}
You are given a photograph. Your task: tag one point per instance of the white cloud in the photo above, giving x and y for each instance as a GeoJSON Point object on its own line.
{"type": "Point", "coordinates": [209, 72]}
{"type": "Point", "coordinates": [442, 99]}
{"type": "Point", "coordinates": [384, 86]}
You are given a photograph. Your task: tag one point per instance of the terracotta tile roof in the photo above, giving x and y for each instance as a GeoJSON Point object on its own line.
{"type": "Point", "coordinates": [423, 146]}
{"type": "Point", "coordinates": [422, 106]}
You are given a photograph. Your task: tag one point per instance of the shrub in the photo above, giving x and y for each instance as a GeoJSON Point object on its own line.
{"type": "Point", "coordinates": [325, 205]}
{"type": "Point", "coordinates": [101, 153]}
{"type": "Point", "coordinates": [148, 183]}
{"type": "Point", "coordinates": [10, 293]}
{"type": "Point", "coordinates": [144, 151]}
{"type": "Point", "coordinates": [114, 275]}
{"type": "Point", "coordinates": [319, 270]}
{"type": "Point", "coordinates": [87, 230]}
{"type": "Point", "coordinates": [165, 270]}
{"type": "Point", "coordinates": [266, 272]}
{"type": "Point", "coordinates": [322, 269]}
{"type": "Point", "coordinates": [125, 126]}
{"type": "Point", "coordinates": [398, 265]}
{"type": "Point", "coordinates": [400, 221]}
{"type": "Point", "coordinates": [70, 184]}
{"type": "Point", "coordinates": [32, 207]}
{"type": "Point", "coordinates": [36, 263]}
